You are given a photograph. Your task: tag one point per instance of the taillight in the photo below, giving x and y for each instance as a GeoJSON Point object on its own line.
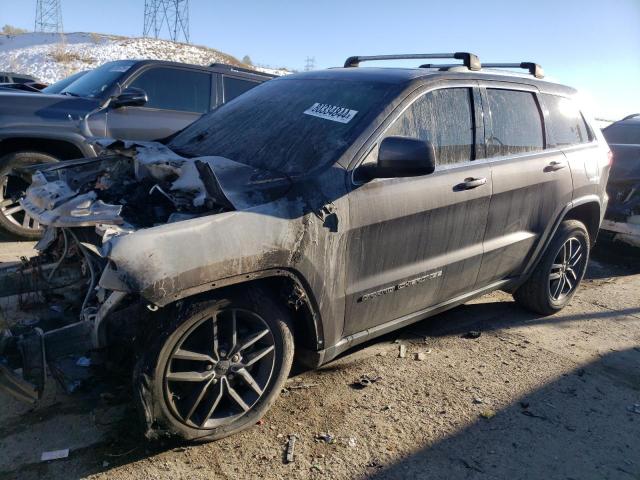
{"type": "Point", "coordinates": [610, 157]}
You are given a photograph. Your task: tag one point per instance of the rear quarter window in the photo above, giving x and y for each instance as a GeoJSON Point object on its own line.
{"type": "Point", "coordinates": [516, 123]}
{"type": "Point", "coordinates": [566, 122]}
{"type": "Point", "coordinates": [234, 87]}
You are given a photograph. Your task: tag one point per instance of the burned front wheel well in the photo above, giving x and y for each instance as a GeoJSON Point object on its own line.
{"type": "Point", "coordinates": [287, 288]}
{"type": "Point", "coordinates": [589, 215]}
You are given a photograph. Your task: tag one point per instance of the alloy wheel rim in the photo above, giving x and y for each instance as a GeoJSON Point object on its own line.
{"type": "Point", "coordinates": [13, 211]}
{"type": "Point", "coordinates": [566, 269]}
{"type": "Point", "coordinates": [220, 368]}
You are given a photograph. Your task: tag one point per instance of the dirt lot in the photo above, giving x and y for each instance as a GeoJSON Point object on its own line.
{"type": "Point", "coordinates": [531, 397]}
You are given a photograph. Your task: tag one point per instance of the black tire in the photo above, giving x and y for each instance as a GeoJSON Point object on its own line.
{"type": "Point", "coordinates": [545, 294]}
{"type": "Point", "coordinates": [16, 222]}
{"type": "Point", "coordinates": [164, 411]}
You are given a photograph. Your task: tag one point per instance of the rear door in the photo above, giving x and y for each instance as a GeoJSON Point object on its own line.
{"type": "Point", "coordinates": [415, 242]}
{"type": "Point", "coordinates": [177, 98]}
{"type": "Point", "coordinates": [531, 179]}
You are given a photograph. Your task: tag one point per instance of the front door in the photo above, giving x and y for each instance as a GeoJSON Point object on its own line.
{"type": "Point", "coordinates": [416, 242]}
{"type": "Point", "coordinates": [177, 98]}
{"type": "Point", "coordinates": [531, 180]}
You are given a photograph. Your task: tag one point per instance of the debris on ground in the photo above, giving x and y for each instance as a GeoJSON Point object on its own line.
{"type": "Point", "coordinates": [635, 408]}
{"type": "Point", "coordinates": [365, 381]}
{"type": "Point", "coordinates": [420, 356]}
{"type": "Point", "coordinates": [402, 350]}
{"type": "Point", "coordinates": [54, 455]}
{"type": "Point", "coordinates": [326, 438]}
{"type": "Point", "coordinates": [477, 400]}
{"type": "Point", "coordinates": [291, 443]}
{"type": "Point", "coordinates": [488, 413]}
{"type": "Point", "coordinates": [351, 442]}
{"type": "Point", "coordinates": [472, 334]}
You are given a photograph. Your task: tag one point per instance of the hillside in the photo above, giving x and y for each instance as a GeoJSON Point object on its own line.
{"type": "Point", "coordinates": [50, 56]}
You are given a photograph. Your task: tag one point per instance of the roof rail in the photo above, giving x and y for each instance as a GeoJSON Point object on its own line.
{"type": "Point", "coordinates": [471, 61]}
{"type": "Point", "coordinates": [534, 69]}
{"type": "Point", "coordinates": [232, 68]}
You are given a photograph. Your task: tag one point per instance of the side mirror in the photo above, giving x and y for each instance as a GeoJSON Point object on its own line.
{"type": "Point", "coordinates": [404, 157]}
{"type": "Point", "coordinates": [130, 97]}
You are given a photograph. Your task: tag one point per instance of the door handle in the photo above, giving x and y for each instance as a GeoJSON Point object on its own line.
{"type": "Point", "coordinates": [471, 182]}
{"type": "Point", "coordinates": [555, 165]}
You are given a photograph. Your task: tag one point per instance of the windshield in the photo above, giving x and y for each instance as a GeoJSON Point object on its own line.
{"type": "Point", "coordinates": [288, 125]}
{"type": "Point", "coordinates": [62, 84]}
{"type": "Point", "coordinates": [93, 84]}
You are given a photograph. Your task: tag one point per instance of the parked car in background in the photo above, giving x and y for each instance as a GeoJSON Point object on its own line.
{"type": "Point", "coordinates": [126, 99]}
{"type": "Point", "coordinates": [313, 213]}
{"type": "Point", "coordinates": [19, 81]}
{"type": "Point", "coordinates": [60, 85]}
{"type": "Point", "coordinates": [622, 219]}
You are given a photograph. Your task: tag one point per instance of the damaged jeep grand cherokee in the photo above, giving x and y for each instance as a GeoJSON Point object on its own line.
{"type": "Point", "coordinates": [312, 213]}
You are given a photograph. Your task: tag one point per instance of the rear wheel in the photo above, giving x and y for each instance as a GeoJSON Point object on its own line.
{"type": "Point", "coordinates": [13, 218]}
{"type": "Point", "coordinates": [217, 368]}
{"type": "Point", "coordinates": [557, 276]}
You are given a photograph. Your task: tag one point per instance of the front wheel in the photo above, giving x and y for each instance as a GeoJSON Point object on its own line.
{"type": "Point", "coordinates": [556, 278]}
{"type": "Point", "coordinates": [217, 368]}
{"type": "Point", "coordinates": [13, 218]}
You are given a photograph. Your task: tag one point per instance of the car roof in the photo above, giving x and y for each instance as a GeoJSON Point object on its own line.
{"type": "Point", "coordinates": [423, 75]}
{"type": "Point", "coordinates": [216, 67]}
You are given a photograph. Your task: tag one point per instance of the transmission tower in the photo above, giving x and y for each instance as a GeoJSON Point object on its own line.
{"type": "Point", "coordinates": [48, 16]}
{"type": "Point", "coordinates": [310, 64]}
{"type": "Point", "coordinates": [162, 17]}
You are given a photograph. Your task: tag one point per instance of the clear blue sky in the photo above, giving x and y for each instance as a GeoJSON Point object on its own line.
{"type": "Point", "coordinates": [590, 44]}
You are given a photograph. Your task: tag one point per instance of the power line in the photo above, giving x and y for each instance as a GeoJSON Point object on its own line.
{"type": "Point", "coordinates": [310, 64]}
{"type": "Point", "coordinates": [48, 16]}
{"type": "Point", "coordinates": [167, 17]}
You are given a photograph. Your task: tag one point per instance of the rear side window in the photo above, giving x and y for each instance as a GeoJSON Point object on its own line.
{"type": "Point", "coordinates": [445, 118]}
{"type": "Point", "coordinates": [175, 89]}
{"type": "Point", "coordinates": [625, 134]}
{"type": "Point", "coordinates": [4, 79]}
{"type": "Point", "coordinates": [21, 80]}
{"type": "Point", "coordinates": [516, 123]}
{"type": "Point", "coordinates": [567, 124]}
{"type": "Point", "coordinates": [234, 87]}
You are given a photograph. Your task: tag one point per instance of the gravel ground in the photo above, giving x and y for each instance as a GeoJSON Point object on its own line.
{"type": "Point", "coordinates": [531, 397]}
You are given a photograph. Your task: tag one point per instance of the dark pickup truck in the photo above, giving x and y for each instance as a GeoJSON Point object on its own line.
{"type": "Point", "coordinates": [622, 219]}
{"type": "Point", "coordinates": [126, 99]}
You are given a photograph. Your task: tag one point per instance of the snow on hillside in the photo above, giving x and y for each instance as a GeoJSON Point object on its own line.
{"type": "Point", "coordinates": [51, 56]}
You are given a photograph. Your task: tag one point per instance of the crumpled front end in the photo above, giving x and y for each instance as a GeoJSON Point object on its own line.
{"type": "Point", "coordinates": [81, 300]}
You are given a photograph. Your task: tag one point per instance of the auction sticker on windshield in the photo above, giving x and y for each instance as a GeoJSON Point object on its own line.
{"type": "Point", "coordinates": [331, 112]}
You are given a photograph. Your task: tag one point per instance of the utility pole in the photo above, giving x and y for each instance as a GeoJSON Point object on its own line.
{"type": "Point", "coordinates": [48, 16]}
{"type": "Point", "coordinates": [310, 64]}
{"type": "Point", "coordinates": [168, 17]}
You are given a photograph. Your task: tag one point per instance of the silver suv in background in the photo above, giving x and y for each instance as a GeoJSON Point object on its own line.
{"type": "Point", "coordinates": [125, 99]}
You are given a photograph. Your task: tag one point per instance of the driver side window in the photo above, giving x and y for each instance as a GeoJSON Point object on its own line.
{"type": "Point", "coordinates": [443, 117]}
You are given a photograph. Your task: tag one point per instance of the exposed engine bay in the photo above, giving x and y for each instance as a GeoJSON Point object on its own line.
{"type": "Point", "coordinates": [83, 301]}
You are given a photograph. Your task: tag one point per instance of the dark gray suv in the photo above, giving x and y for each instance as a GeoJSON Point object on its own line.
{"type": "Point", "coordinates": [126, 99]}
{"type": "Point", "coordinates": [313, 213]}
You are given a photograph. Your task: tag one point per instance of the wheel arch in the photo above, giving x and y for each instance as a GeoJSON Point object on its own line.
{"type": "Point", "coordinates": [589, 213]}
{"type": "Point", "coordinates": [60, 148]}
{"type": "Point", "coordinates": [288, 286]}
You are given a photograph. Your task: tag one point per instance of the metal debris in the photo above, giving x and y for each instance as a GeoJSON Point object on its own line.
{"type": "Point", "coordinates": [325, 437]}
{"type": "Point", "coordinates": [289, 456]}
{"type": "Point", "coordinates": [402, 350]}
{"type": "Point", "coordinates": [54, 455]}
